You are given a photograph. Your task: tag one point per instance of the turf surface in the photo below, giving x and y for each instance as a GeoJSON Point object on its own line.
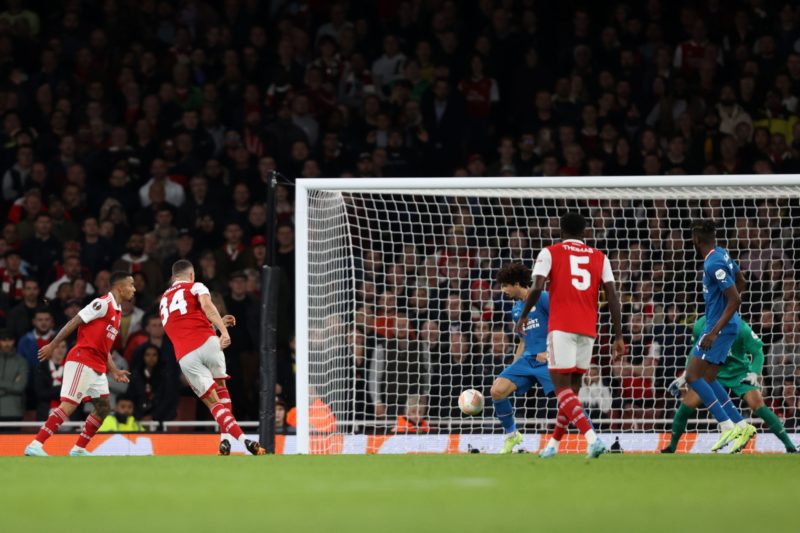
{"type": "Point", "coordinates": [416, 493]}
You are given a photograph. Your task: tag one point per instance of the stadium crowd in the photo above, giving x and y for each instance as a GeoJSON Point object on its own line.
{"type": "Point", "coordinates": [137, 133]}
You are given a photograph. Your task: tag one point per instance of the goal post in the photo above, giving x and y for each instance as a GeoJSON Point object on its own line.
{"type": "Point", "coordinates": [397, 309]}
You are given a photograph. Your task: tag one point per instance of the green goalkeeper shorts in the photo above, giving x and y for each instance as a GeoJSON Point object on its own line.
{"type": "Point", "coordinates": [736, 386]}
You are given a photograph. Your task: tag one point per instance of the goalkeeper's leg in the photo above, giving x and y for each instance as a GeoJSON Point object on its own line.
{"type": "Point", "coordinates": [691, 401]}
{"type": "Point", "coordinates": [756, 403]}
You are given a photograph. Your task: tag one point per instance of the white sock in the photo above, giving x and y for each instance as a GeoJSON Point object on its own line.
{"type": "Point", "coordinates": [553, 443]}
{"type": "Point", "coordinates": [591, 437]}
{"type": "Point", "coordinates": [76, 448]}
{"type": "Point", "coordinates": [35, 444]}
{"type": "Point", "coordinates": [742, 423]}
{"type": "Point", "coordinates": [242, 438]}
{"type": "Point", "coordinates": [725, 426]}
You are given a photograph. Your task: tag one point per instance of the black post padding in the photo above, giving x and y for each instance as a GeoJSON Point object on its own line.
{"type": "Point", "coordinates": [270, 286]}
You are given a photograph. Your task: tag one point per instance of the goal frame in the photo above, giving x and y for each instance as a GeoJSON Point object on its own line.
{"type": "Point", "coordinates": [304, 186]}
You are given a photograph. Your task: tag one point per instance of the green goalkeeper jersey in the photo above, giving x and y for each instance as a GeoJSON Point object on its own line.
{"type": "Point", "coordinates": [746, 355]}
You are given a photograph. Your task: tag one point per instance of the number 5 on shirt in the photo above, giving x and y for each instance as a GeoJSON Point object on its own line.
{"type": "Point", "coordinates": [585, 281]}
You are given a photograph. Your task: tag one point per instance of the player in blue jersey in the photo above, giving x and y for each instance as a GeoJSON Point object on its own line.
{"type": "Point", "coordinates": [722, 282]}
{"type": "Point", "coordinates": [530, 359]}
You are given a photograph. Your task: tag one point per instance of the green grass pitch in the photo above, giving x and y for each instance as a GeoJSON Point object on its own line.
{"type": "Point", "coordinates": [415, 493]}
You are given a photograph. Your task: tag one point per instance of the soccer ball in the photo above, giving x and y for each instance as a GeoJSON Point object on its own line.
{"type": "Point", "coordinates": [471, 402]}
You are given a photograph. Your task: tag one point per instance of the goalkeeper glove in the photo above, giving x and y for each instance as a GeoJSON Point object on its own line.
{"type": "Point", "coordinates": [677, 385]}
{"type": "Point", "coordinates": [752, 379]}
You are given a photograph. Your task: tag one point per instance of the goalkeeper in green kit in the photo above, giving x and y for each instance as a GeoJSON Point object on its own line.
{"type": "Point", "coordinates": [741, 375]}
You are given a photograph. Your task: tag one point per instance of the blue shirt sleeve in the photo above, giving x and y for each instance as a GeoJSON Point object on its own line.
{"type": "Point", "coordinates": [721, 273]}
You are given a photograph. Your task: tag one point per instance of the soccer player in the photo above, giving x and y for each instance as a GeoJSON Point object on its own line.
{"type": "Point", "coordinates": [741, 373]}
{"type": "Point", "coordinates": [188, 314]}
{"type": "Point", "coordinates": [530, 359]}
{"type": "Point", "coordinates": [86, 365]}
{"type": "Point", "coordinates": [721, 276]}
{"type": "Point", "coordinates": [576, 272]}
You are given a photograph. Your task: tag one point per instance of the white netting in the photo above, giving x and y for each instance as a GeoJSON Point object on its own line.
{"type": "Point", "coordinates": [404, 312]}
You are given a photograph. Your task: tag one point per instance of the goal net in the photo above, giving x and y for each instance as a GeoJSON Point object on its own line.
{"type": "Point", "coordinates": [398, 309]}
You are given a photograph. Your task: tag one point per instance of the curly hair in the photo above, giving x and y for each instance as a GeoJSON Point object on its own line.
{"type": "Point", "coordinates": [514, 273]}
{"type": "Point", "coordinates": [705, 230]}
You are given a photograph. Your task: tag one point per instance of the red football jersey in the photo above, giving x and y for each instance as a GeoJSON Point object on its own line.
{"type": "Point", "coordinates": [575, 271]}
{"type": "Point", "coordinates": [184, 321]}
{"type": "Point", "coordinates": [96, 335]}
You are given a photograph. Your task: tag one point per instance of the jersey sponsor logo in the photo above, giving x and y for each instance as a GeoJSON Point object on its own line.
{"type": "Point", "coordinates": [532, 324]}
{"type": "Point", "coordinates": [111, 332]}
{"type": "Point", "coordinates": [720, 275]}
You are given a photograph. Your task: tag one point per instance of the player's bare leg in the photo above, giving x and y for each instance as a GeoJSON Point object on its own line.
{"type": "Point", "coordinates": [93, 422]}
{"type": "Point", "coordinates": [227, 423]}
{"type": "Point", "coordinates": [502, 388]}
{"type": "Point", "coordinates": [58, 416]}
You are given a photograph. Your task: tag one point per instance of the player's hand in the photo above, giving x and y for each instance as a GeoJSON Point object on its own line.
{"type": "Point", "coordinates": [380, 409]}
{"type": "Point", "coordinates": [121, 376]}
{"type": "Point", "coordinates": [224, 341]}
{"type": "Point", "coordinates": [618, 349]}
{"type": "Point", "coordinates": [707, 341]}
{"type": "Point", "coordinates": [541, 357]}
{"type": "Point", "coordinates": [521, 323]}
{"type": "Point", "coordinates": [45, 352]}
{"type": "Point", "coordinates": [229, 321]}
{"type": "Point", "coordinates": [678, 384]}
{"type": "Point", "coordinates": [752, 379]}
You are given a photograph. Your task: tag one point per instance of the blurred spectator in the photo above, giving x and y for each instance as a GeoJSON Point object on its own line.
{"type": "Point", "coordinates": [20, 319]}
{"type": "Point", "coordinates": [595, 395]}
{"type": "Point", "coordinates": [413, 418]}
{"type": "Point", "coordinates": [636, 373]}
{"type": "Point", "coordinates": [48, 379]}
{"type": "Point", "coordinates": [122, 419]}
{"type": "Point", "coordinates": [135, 260]}
{"type": "Point", "coordinates": [14, 373]}
{"type": "Point", "coordinates": [40, 336]}
{"type": "Point", "coordinates": [151, 388]}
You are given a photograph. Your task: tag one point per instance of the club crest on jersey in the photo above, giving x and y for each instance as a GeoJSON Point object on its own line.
{"type": "Point", "coordinates": [720, 274]}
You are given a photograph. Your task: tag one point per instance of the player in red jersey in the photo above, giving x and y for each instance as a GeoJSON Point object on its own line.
{"type": "Point", "coordinates": [188, 313]}
{"type": "Point", "coordinates": [87, 363]}
{"type": "Point", "coordinates": [575, 271]}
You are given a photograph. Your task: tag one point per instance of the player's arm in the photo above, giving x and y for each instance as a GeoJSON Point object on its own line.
{"type": "Point", "coordinates": [741, 282]}
{"type": "Point", "coordinates": [614, 307]}
{"type": "Point", "coordinates": [541, 270]}
{"type": "Point", "coordinates": [120, 376]}
{"type": "Point", "coordinates": [69, 328]}
{"type": "Point", "coordinates": [520, 349]}
{"type": "Point", "coordinates": [214, 317]}
{"type": "Point", "coordinates": [755, 347]}
{"type": "Point", "coordinates": [734, 301]}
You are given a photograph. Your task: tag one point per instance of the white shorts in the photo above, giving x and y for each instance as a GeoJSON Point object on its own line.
{"type": "Point", "coordinates": [81, 383]}
{"type": "Point", "coordinates": [203, 366]}
{"type": "Point", "coordinates": [569, 353]}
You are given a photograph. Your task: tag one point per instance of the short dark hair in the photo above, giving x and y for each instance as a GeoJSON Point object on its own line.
{"type": "Point", "coordinates": [180, 266]}
{"type": "Point", "coordinates": [124, 397]}
{"type": "Point", "coordinates": [573, 224]}
{"type": "Point", "coordinates": [42, 309]}
{"type": "Point", "coordinates": [514, 273]}
{"type": "Point", "coordinates": [704, 230]}
{"type": "Point", "coordinates": [118, 276]}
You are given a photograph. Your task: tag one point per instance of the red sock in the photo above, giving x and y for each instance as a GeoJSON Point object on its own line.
{"type": "Point", "coordinates": [56, 418]}
{"type": "Point", "coordinates": [570, 406]}
{"type": "Point", "coordinates": [223, 395]}
{"type": "Point", "coordinates": [561, 427]}
{"type": "Point", "coordinates": [225, 420]}
{"type": "Point", "coordinates": [90, 427]}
